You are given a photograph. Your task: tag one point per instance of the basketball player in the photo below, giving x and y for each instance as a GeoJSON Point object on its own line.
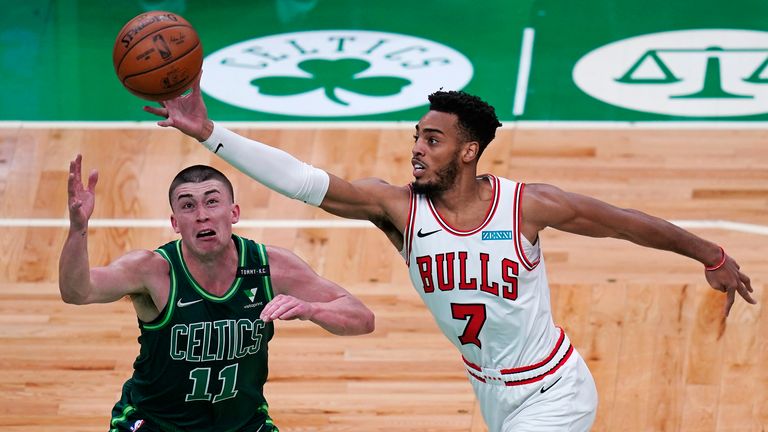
{"type": "Point", "coordinates": [471, 246]}
{"type": "Point", "coordinates": [205, 306]}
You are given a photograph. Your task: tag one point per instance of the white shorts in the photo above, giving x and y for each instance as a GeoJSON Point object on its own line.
{"type": "Point", "coordinates": [563, 400]}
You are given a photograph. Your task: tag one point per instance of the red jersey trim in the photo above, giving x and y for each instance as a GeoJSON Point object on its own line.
{"type": "Point", "coordinates": [541, 363]}
{"type": "Point", "coordinates": [549, 372]}
{"type": "Point", "coordinates": [518, 215]}
{"type": "Point", "coordinates": [409, 226]}
{"type": "Point", "coordinates": [558, 347]}
{"type": "Point", "coordinates": [476, 377]}
{"type": "Point", "coordinates": [488, 216]}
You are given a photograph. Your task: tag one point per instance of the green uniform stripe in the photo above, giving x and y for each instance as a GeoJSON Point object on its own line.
{"type": "Point", "coordinates": [265, 262]}
{"type": "Point", "coordinates": [171, 296]}
{"type": "Point", "coordinates": [241, 241]}
{"type": "Point", "coordinates": [126, 412]}
{"type": "Point", "coordinates": [205, 294]}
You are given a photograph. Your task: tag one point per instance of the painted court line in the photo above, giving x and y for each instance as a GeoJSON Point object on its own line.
{"type": "Point", "coordinates": [322, 223]}
{"type": "Point", "coordinates": [523, 72]}
{"type": "Point", "coordinates": [166, 223]}
{"type": "Point", "coordinates": [396, 125]}
{"type": "Point", "coordinates": [151, 125]}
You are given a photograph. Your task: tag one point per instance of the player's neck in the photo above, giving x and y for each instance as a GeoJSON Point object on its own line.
{"type": "Point", "coordinates": [466, 203]}
{"type": "Point", "coordinates": [214, 272]}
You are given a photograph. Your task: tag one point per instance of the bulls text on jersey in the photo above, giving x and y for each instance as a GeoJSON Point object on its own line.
{"type": "Point", "coordinates": [439, 271]}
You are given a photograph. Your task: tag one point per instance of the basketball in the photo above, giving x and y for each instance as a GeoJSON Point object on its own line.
{"type": "Point", "coordinates": [157, 55]}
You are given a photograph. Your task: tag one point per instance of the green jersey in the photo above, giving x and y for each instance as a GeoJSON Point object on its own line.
{"type": "Point", "coordinates": [203, 361]}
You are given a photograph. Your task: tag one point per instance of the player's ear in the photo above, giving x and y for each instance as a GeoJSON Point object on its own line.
{"type": "Point", "coordinates": [175, 224]}
{"type": "Point", "coordinates": [470, 151]}
{"type": "Point", "coordinates": [235, 213]}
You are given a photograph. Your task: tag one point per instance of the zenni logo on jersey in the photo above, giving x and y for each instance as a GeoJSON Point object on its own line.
{"type": "Point", "coordinates": [497, 235]}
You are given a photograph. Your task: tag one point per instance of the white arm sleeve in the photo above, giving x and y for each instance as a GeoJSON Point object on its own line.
{"type": "Point", "coordinates": [271, 167]}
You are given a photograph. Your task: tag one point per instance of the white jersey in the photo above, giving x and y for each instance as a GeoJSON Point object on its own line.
{"type": "Point", "coordinates": [487, 289]}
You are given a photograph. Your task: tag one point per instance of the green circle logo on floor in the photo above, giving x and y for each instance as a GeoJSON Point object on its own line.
{"type": "Point", "coordinates": [690, 73]}
{"type": "Point", "coordinates": [333, 73]}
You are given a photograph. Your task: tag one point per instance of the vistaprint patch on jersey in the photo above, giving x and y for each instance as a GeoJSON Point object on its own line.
{"type": "Point", "coordinates": [497, 235]}
{"type": "Point", "coordinates": [250, 293]}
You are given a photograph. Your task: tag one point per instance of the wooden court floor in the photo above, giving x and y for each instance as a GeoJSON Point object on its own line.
{"type": "Point", "coordinates": [645, 321]}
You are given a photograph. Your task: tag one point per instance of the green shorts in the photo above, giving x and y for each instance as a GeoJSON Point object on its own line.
{"type": "Point", "coordinates": [126, 417]}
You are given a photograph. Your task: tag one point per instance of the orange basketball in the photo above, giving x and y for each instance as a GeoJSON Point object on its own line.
{"type": "Point", "coordinates": [157, 55]}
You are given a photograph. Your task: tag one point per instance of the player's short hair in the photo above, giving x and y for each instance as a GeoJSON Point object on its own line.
{"type": "Point", "coordinates": [199, 174]}
{"type": "Point", "coordinates": [477, 119]}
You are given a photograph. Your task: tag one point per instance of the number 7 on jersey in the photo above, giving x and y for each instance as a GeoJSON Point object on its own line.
{"type": "Point", "coordinates": [474, 314]}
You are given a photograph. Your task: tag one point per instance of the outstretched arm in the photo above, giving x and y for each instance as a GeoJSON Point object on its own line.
{"type": "Point", "coordinates": [303, 294]}
{"type": "Point", "coordinates": [547, 206]}
{"type": "Point", "coordinates": [370, 199]}
{"type": "Point", "coordinates": [78, 283]}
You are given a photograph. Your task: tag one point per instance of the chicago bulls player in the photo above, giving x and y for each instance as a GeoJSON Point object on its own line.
{"type": "Point", "coordinates": [472, 249]}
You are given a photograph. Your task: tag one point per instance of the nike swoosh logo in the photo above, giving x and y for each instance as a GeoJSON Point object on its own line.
{"type": "Point", "coordinates": [543, 389]}
{"type": "Point", "coordinates": [182, 304]}
{"type": "Point", "coordinates": [424, 234]}
{"type": "Point", "coordinates": [218, 147]}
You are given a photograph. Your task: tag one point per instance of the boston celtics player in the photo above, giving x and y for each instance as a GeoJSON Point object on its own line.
{"type": "Point", "coordinates": [205, 306]}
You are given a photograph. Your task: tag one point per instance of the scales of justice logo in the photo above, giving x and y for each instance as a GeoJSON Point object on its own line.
{"type": "Point", "coordinates": [689, 73]}
{"type": "Point", "coordinates": [333, 73]}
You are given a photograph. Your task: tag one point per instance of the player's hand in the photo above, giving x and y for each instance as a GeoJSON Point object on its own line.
{"type": "Point", "coordinates": [730, 280]}
{"type": "Point", "coordinates": [286, 307]}
{"type": "Point", "coordinates": [187, 113]}
{"type": "Point", "coordinates": [80, 200]}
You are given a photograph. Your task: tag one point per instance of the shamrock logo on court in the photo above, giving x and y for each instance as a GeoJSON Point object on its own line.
{"type": "Point", "coordinates": [330, 75]}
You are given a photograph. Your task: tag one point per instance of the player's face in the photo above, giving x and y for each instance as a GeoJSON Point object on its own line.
{"type": "Point", "coordinates": [203, 213]}
{"type": "Point", "coordinates": [436, 153]}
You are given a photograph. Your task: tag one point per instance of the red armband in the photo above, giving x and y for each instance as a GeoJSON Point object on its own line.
{"type": "Point", "coordinates": [718, 265]}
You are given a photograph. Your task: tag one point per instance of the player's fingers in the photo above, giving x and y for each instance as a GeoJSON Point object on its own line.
{"type": "Point", "coordinates": [73, 165]}
{"type": "Point", "coordinates": [93, 178]}
{"type": "Point", "coordinates": [265, 313]}
{"type": "Point", "coordinates": [729, 299]}
{"type": "Point", "coordinates": [196, 83]}
{"type": "Point", "coordinates": [292, 311]}
{"type": "Point", "coordinates": [277, 313]}
{"type": "Point", "coordinates": [268, 309]}
{"type": "Point", "coordinates": [744, 293]}
{"type": "Point", "coordinates": [72, 186]}
{"type": "Point", "coordinates": [746, 281]}
{"type": "Point", "coordinates": [72, 172]}
{"type": "Point", "coordinates": [160, 112]}
{"type": "Point", "coordinates": [78, 168]}
{"type": "Point", "coordinates": [272, 307]}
